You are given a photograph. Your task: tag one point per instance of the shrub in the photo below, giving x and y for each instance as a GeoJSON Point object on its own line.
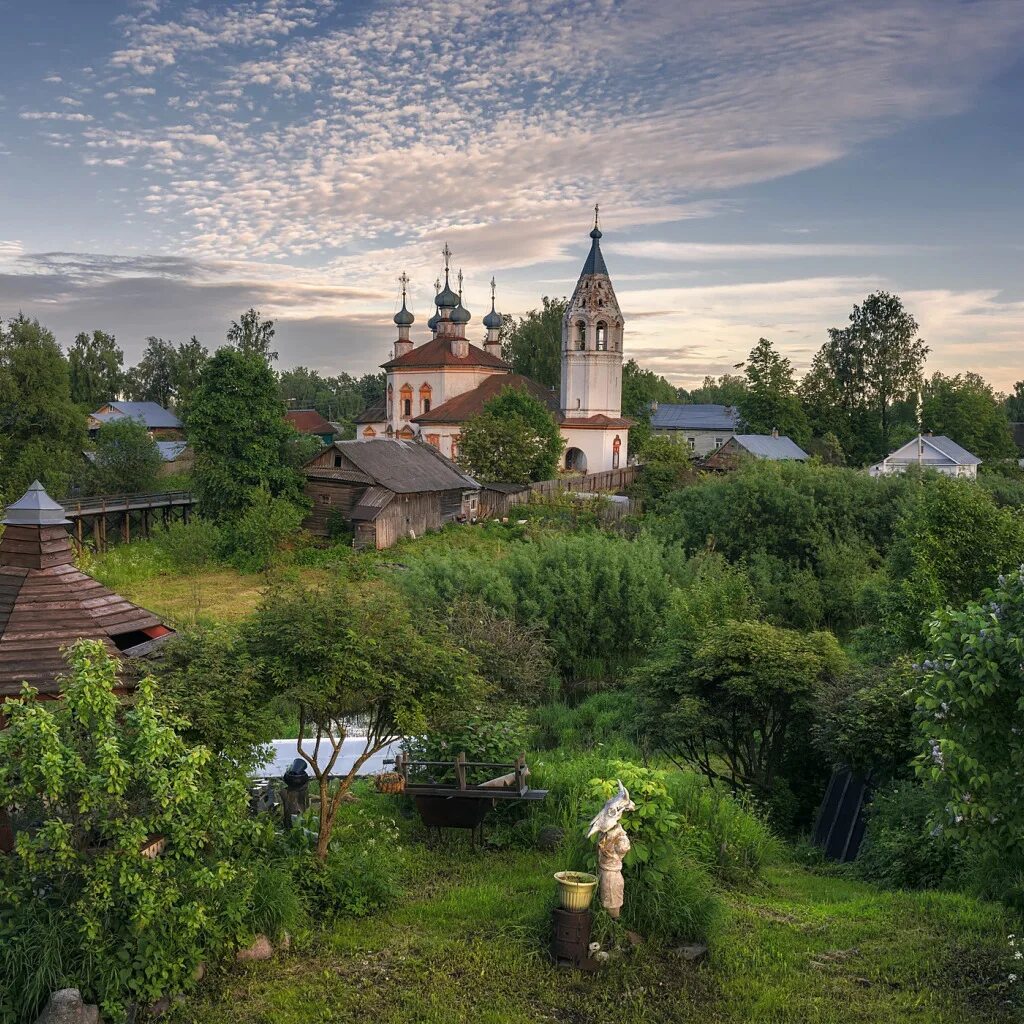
{"type": "Point", "coordinates": [606, 719]}
{"type": "Point", "coordinates": [903, 848]}
{"type": "Point", "coordinates": [190, 545]}
{"type": "Point", "coordinates": [252, 539]}
{"type": "Point", "coordinates": [91, 781]}
{"type": "Point", "coordinates": [276, 903]}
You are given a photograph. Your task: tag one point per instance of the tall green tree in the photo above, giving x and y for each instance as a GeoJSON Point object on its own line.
{"type": "Point", "coordinates": [151, 379]}
{"type": "Point", "coordinates": [126, 459]}
{"type": "Point", "coordinates": [534, 345]}
{"type": "Point", "coordinates": [641, 389]}
{"type": "Point", "coordinates": [965, 408]}
{"type": "Point", "coordinates": [252, 335]}
{"type": "Point", "coordinates": [875, 362]}
{"type": "Point", "coordinates": [729, 389]}
{"type": "Point", "coordinates": [514, 439]}
{"type": "Point", "coordinates": [42, 431]}
{"type": "Point", "coordinates": [189, 360]}
{"type": "Point", "coordinates": [96, 366]}
{"type": "Point", "coordinates": [1015, 403]}
{"type": "Point", "coordinates": [770, 401]}
{"type": "Point", "coordinates": [240, 437]}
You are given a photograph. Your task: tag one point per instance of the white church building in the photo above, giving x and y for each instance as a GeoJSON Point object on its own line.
{"type": "Point", "coordinates": [434, 388]}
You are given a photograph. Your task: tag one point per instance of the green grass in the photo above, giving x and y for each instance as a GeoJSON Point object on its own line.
{"type": "Point", "coordinates": [467, 944]}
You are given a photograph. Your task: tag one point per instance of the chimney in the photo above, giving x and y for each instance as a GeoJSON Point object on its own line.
{"type": "Point", "coordinates": [775, 431]}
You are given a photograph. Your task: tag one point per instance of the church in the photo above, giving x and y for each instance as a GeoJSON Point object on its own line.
{"type": "Point", "coordinates": [434, 388]}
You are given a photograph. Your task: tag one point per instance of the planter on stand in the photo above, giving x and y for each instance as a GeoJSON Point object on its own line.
{"type": "Point", "coordinates": [572, 921]}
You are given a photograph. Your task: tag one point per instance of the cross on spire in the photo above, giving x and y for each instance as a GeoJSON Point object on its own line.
{"type": "Point", "coordinates": [492, 292]}
{"type": "Point", "coordinates": [447, 254]}
{"type": "Point", "coordinates": [460, 282]}
{"type": "Point", "coordinates": [597, 210]}
{"type": "Point", "coordinates": [403, 280]}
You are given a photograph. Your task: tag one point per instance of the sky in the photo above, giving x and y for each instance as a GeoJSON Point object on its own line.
{"type": "Point", "coordinates": [761, 166]}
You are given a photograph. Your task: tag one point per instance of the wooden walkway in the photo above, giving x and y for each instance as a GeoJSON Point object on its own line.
{"type": "Point", "coordinates": [127, 514]}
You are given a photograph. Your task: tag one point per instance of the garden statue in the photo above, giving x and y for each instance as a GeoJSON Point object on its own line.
{"type": "Point", "coordinates": [612, 847]}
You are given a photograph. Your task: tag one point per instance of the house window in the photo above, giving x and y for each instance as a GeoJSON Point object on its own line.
{"type": "Point", "coordinates": [719, 441]}
{"type": "Point", "coordinates": [337, 462]}
{"type": "Point", "coordinates": [692, 442]}
{"type": "Point", "coordinates": [581, 335]}
{"type": "Point", "coordinates": [602, 336]}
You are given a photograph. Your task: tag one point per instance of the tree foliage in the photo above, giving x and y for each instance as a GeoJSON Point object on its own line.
{"type": "Point", "coordinates": [534, 345]}
{"type": "Point", "coordinates": [151, 379]}
{"type": "Point", "coordinates": [252, 335]}
{"type": "Point", "coordinates": [965, 408]}
{"type": "Point", "coordinates": [126, 459]}
{"type": "Point", "coordinates": [95, 364]}
{"type": "Point", "coordinates": [98, 779]}
{"type": "Point", "coordinates": [770, 400]}
{"type": "Point", "coordinates": [641, 389]}
{"type": "Point", "coordinates": [513, 439]}
{"type": "Point", "coordinates": [42, 431]}
{"type": "Point", "coordinates": [240, 437]}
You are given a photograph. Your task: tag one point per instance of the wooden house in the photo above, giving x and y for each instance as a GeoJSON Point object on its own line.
{"type": "Point", "coordinates": [161, 423]}
{"type": "Point", "coordinates": [774, 447]}
{"type": "Point", "coordinates": [46, 604]}
{"type": "Point", "coordinates": [386, 489]}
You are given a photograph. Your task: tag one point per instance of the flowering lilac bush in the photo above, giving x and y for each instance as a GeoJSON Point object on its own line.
{"type": "Point", "coordinates": [971, 713]}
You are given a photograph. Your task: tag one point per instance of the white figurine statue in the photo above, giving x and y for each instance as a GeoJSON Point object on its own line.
{"type": "Point", "coordinates": [612, 847]}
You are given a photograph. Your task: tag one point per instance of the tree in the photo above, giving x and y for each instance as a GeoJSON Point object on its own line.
{"type": "Point", "coordinates": [126, 459]}
{"type": "Point", "coordinates": [770, 401]}
{"type": "Point", "coordinates": [666, 466]}
{"type": "Point", "coordinates": [189, 361]}
{"type": "Point", "coordinates": [42, 431]}
{"type": "Point", "coordinates": [534, 345]}
{"type": "Point", "coordinates": [641, 389]}
{"type": "Point", "coordinates": [971, 721]}
{"type": "Point", "coordinates": [743, 695]}
{"type": "Point", "coordinates": [966, 409]}
{"type": "Point", "coordinates": [334, 658]}
{"type": "Point", "coordinates": [240, 437]}
{"type": "Point", "coordinates": [1015, 403]}
{"type": "Point", "coordinates": [252, 335]}
{"type": "Point", "coordinates": [875, 362]}
{"type": "Point", "coordinates": [93, 781]}
{"type": "Point", "coordinates": [728, 389]}
{"type": "Point", "coordinates": [514, 439]}
{"type": "Point", "coordinates": [95, 364]}
{"type": "Point", "coordinates": [152, 377]}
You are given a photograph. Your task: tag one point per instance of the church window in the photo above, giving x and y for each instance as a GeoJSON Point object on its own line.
{"type": "Point", "coordinates": [391, 401]}
{"type": "Point", "coordinates": [602, 336]}
{"type": "Point", "coordinates": [581, 335]}
{"type": "Point", "coordinates": [455, 446]}
{"type": "Point", "coordinates": [405, 401]}
{"type": "Point", "coordinates": [370, 432]}
{"type": "Point", "coordinates": [616, 448]}
{"type": "Point", "coordinates": [434, 439]}
{"type": "Point", "coordinates": [425, 393]}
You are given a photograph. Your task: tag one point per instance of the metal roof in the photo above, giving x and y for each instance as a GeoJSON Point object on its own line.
{"type": "Point", "coordinates": [767, 446]}
{"type": "Point", "coordinates": [695, 417]}
{"type": "Point", "coordinates": [944, 451]}
{"type": "Point", "coordinates": [170, 450]}
{"type": "Point", "coordinates": [152, 414]}
{"type": "Point", "coordinates": [405, 467]}
{"type": "Point", "coordinates": [372, 503]}
{"type": "Point", "coordinates": [595, 260]}
{"type": "Point", "coordinates": [35, 508]}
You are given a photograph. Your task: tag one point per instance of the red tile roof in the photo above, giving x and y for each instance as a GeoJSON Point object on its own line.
{"type": "Point", "coordinates": [438, 352]}
{"type": "Point", "coordinates": [469, 403]}
{"type": "Point", "coordinates": [308, 421]}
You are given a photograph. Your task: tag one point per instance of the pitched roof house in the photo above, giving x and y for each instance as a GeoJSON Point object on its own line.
{"type": "Point", "coordinates": [309, 421]}
{"type": "Point", "coordinates": [774, 447]}
{"type": "Point", "coordinates": [46, 603]}
{"type": "Point", "coordinates": [386, 489]}
{"type": "Point", "coordinates": [705, 428]}
{"type": "Point", "coordinates": [157, 420]}
{"type": "Point", "coordinates": [929, 452]}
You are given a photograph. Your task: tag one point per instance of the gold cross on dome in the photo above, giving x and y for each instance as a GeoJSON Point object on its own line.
{"type": "Point", "coordinates": [403, 280]}
{"type": "Point", "coordinates": [460, 282]}
{"type": "Point", "coordinates": [597, 210]}
{"type": "Point", "coordinates": [492, 291]}
{"type": "Point", "coordinates": [447, 254]}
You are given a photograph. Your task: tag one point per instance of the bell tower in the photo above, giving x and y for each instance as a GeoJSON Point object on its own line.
{"type": "Point", "coordinates": [592, 341]}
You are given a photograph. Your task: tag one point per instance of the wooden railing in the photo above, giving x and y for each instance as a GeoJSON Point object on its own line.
{"type": "Point", "coordinates": [104, 503]}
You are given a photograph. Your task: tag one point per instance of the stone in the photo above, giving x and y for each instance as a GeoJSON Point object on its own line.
{"type": "Point", "coordinates": [160, 1007]}
{"type": "Point", "coordinates": [635, 939]}
{"type": "Point", "coordinates": [199, 973]}
{"type": "Point", "coordinates": [694, 952]}
{"type": "Point", "coordinates": [68, 1007]}
{"type": "Point", "coordinates": [261, 949]}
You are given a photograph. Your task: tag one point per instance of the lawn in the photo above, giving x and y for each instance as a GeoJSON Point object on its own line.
{"type": "Point", "coordinates": [467, 942]}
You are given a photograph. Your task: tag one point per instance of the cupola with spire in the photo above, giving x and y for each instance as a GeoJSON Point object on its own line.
{"type": "Point", "coordinates": [403, 320]}
{"type": "Point", "coordinates": [493, 322]}
{"type": "Point", "coordinates": [446, 300]}
{"type": "Point", "coordinates": [436, 318]}
{"type": "Point", "coordinates": [457, 330]}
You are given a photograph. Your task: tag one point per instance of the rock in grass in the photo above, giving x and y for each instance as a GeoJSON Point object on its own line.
{"type": "Point", "coordinates": [550, 838]}
{"type": "Point", "coordinates": [694, 952]}
{"type": "Point", "coordinates": [261, 949]}
{"type": "Point", "coordinates": [68, 1007]}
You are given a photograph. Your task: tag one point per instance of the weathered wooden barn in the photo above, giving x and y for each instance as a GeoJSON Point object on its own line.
{"type": "Point", "coordinates": [386, 489]}
{"type": "Point", "coordinates": [46, 603]}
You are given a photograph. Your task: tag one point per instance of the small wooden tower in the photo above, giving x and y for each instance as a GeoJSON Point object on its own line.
{"type": "Point", "coordinates": [46, 603]}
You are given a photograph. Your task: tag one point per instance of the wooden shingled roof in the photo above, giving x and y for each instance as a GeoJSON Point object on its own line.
{"type": "Point", "coordinates": [46, 603]}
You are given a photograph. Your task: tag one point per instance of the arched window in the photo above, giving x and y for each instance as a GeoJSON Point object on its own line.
{"type": "Point", "coordinates": [391, 401]}
{"type": "Point", "coordinates": [602, 336]}
{"type": "Point", "coordinates": [581, 335]}
{"type": "Point", "coordinates": [369, 432]}
{"type": "Point", "coordinates": [425, 394]}
{"type": "Point", "coordinates": [405, 401]}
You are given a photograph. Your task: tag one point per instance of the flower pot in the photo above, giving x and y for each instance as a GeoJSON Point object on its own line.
{"type": "Point", "coordinates": [575, 889]}
{"type": "Point", "coordinates": [389, 782]}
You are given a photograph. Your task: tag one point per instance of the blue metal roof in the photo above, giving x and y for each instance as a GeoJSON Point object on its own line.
{"type": "Point", "coordinates": [170, 450]}
{"type": "Point", "coordinates": [695, 417]}
{"type": "Point", "coordinates": [937, 450]}
{"type": "Point", "coordinates": [151, 414]}
{"type": "Point", "coordinates": [767, 446]}
{"type": "Point", "coordinates": [595, 261]}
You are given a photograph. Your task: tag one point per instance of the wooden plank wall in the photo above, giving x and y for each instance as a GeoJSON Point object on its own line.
{"type": "Point", "coordinates": [408, 512]}
{"type": "Point", "coordinates": [328, 496]}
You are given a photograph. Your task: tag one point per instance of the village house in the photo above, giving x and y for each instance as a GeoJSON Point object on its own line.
{"type": "Point", "coordinates": [432, 389]}
{"type": "Point", "coordinates": [161, 423]}
{"type": "Point", "coordinates": [385, 490]}
{"type": "Point", "coordinates": [926, 451]}
{"type": "Point", "coordinates": [773, 447]}
{"type": "Point", "coordinates": [46, 603]}
{"type": "Point", "coordinates": [309, 421]}
{"type": "Point", "coordinates": [704, 428]}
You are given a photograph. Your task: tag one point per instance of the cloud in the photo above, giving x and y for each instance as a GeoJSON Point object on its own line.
{"type": "Point", "coordinates": [53, 115]}
{"type": "Point", "coordinates": [705, 252]}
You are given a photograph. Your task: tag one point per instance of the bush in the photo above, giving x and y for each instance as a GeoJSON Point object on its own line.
{"type": "Point", "coordinates": [91, 781]}
{"type": "Point", "coordinates": [252, 539]}
{"type": "Point", "coordinates": [902, 846]}
{"type": "Point", "coordinates": [191, 545]}
{"type": "Point", "coordinates": [276, 904]}
{"type": "Point", "coordinates": [606, 719]}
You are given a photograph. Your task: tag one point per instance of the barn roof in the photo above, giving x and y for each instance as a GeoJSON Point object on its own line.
{"type": "Point", "coordinates": [694, 417]}
{"type": "Point", "coordinates": [46, 603]}
{"type": "Point", "coordinates": [403, 467]}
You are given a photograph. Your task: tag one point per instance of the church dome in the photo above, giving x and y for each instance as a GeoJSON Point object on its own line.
{"type": "Point", "coordinates": [403, 318]}
{"type": "Point", "coordinates": [432, 322]}
{"type": "Point", "coordinates": [460, 315]}
{"type": "Point", "coordinates": [492, 321]}
{"type": "Point", "coordinates": [446, 298]}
